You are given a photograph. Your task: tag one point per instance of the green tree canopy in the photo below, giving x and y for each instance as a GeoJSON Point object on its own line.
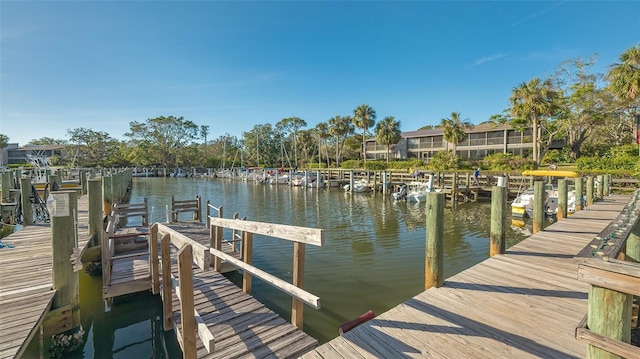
{"type": "Point", "coordinates": [534, 102]}
{"type": "Point", "coordinates": [388, 132]}
{"type": "Point", "coordinates": [340, 127]}
{"type": "Point", "coordinates": [364, 117]}
{"type": "Point", "coordinates": [93, 148]}
{"type": "Point", "coordinates": [455, 129]}
{"type": "Point", "coordinates": [624, 76]}
{"type": "Point", "coordinates": [4, 141]}
{"type": "Point", "coordinates": [163, 136]}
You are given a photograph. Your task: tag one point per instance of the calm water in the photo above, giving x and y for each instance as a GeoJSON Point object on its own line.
{"type": "Point", "coordinates": [374, 250]}
{"type": "Point", "coordinates": [372, 258]}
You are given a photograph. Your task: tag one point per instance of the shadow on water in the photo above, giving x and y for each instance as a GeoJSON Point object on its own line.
{"type": "Point", "coordinates": [130, 328]}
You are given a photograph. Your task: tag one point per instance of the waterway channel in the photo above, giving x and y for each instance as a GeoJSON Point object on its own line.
{"type": "Point", "coordinates": [373, 257]}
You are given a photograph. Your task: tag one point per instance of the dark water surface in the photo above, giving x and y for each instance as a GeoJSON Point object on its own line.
{"type": "Point", "coordinates": [374, 251]}
{"type": "Point", "coordinates": [373, 258]}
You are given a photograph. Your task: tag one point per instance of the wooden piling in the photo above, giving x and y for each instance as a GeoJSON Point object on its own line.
{"type": "Point", "coordinates": [297, 305]}
{"type": "Point", "coordinates": [589, 191]}
{"type": "Point", "coordinates": [63, 214]}
{"type": "Point", "coordinates": [154, 268]}
{"type": "Point", "coordinates": [247, 257]}
{"type": "Point", "coordinates": [599, 187]}
{"type": "Point", "coordinates": [434, 266]}
{"type": "Point", "coordinates": [562, 199]}
{"type": "Point", "coordinates": [167, 288]}
{"type": "Point", "coordinates": [83, 182]}
{"type": "Point", "coordinates": [606, 191]}
{"type": "Point", "coordinates": [26, 195]}
{"type": "Point", "coordinates": [187, 317]}
{"type": "Point", "coordinates": [498, 220]}
{"type": "Point", "coordinates": [539, 195]}
{"type": "Point", "coordinates": [632, 249]}
{"type": "Point", "coordinates": [96, 215]}
{"type": "Point", "coordinates": [351, 181]}
{"type": "Point", "coordinates": [107, 197]}
{"type": "Point", "coordinates": [6, 187]}
{"type": "Point", "coordinates": [454, 188]}
{"type": "Point", "coordinates": [579, 191]}
{"type": "Point", "coordinates": [609, 315]}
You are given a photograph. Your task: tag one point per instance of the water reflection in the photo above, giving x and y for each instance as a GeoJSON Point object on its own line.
{"type": "Point", "coordinates": [373, 256]}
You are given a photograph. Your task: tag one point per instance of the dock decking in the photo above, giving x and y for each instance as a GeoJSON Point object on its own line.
{"type": "Point", "coordinates": [26, 282]}
{"type": "Point", "coordinates": [524, 303]}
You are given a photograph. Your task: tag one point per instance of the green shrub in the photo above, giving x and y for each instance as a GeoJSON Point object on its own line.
{"type": "Point", "coordinates": [401, 165]}
{"type": "Point", "coordinates": [351, 164]}
{"type": "Point", "coordinates": [443, 161]}
{"type": "Point", "coordinates": [375, 165]}
{"type": "Point", "coordinates": [316, 165]}
{"type": "Point", "coordinates": [506, 162]}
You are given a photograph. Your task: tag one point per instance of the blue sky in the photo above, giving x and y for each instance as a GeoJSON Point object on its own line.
{"type": "Point", "coordinates": [232, 65]}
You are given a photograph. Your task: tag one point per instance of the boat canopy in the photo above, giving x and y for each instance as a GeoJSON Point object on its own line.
{"type": "Point", "coordinates": [552, 173]}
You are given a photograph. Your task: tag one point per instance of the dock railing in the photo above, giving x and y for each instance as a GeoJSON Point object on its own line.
{"type": "Point", "coordinates": [609, 263]}
{"type": "Point", "coordinates": [236, 236]}
{"type": "Point", "coordinates": [189, 252]}
{"type": "Point", "coordinates": [300, 236]}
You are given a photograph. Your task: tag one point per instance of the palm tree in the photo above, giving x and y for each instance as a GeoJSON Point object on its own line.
{"type": "Point", "coordinates": [322, 131]}
{"type": "Point", "coordinates": [624, 77]}
{"type": "Point", "coordinates": [455, 129]}
{"type": "Point", "coordinates": [364, 117]}
{"type": "Point", "coordinates": [388, 132]}
{"type": "Point", "coordinates": [340, 128]}
{"type": "Point", "coordinates": [533, 101]}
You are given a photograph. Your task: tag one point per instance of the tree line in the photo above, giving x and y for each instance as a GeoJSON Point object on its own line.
{"type": "Point", "coordinates": [590, 112]}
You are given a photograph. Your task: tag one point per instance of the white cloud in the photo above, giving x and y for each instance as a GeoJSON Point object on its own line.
{"type": "Point", "coordinates": [487, 59]}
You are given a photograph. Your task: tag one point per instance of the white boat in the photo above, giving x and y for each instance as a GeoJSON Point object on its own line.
{"type": "Point", "coordinates": [279, 179]}
{"type": "Point", "coordinates": [315, 182]}
{"type": "Point", "coordinates": [358, 187]}
{"type": "Point", "coordinates": [143, 173]}
{"type": "Point", "coordinates": [417, 191]}
{"type": "Point", "coordinates": [522, 206]}
{"type": "Point", "coordinates": [179, 172]}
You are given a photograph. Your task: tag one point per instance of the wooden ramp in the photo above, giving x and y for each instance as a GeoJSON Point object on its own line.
{"type": "Point", "coordinates": [525, 303]}
{"type": "Point", "coordinates": [241, 326]}
{"type": "Point", "coordinates": [26, 282]}
{"type": "Point", "coordinates": [232, 322]}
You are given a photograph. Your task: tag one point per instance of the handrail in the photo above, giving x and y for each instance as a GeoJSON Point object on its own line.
{"type": "Point", "coordinates": [191, 320]}
{"type": "Point", "coordinates": [298, 235]}
{"type": "Point", "coordinates": [622, 280]}
{"type": "Point", "coordinates": [612, 285]}
{"type": "Point", "coordinates": [286, 287]}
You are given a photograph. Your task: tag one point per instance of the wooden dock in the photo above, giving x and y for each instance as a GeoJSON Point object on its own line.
{"type": "Point", "coordinates": [26, 282]}
{"type": "Point", "coordinates": [525, 303]}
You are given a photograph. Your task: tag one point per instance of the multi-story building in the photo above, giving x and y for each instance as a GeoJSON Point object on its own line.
{"type": "Point", "coordinates": [482, 140]}
{"type": "Point", "coordinates": [13, 154]}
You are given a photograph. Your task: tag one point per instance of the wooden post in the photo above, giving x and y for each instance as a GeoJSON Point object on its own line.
{"type": "Point", "coordinates": [197, 215]}
{"type": "Point", "coordinates": [351, 181]}
{"type": "Point", "coordinates": [26, 194]}
{"type": "Point", "coordinates": [154, 269]}
{"type": "Point", "coordinates": [216, 232]}
{"type": "Point", "coordinates": [599, 187]}
{"type": "Point", "coordinates": [606, 185]}
{"type": "Point", "coordinates": [434, 267]}
{"type": "Point", "coordinates": [297, 306]}
{"type": "Point", "coordinates": [318, 179]}
{"type": "Point", "coordinates": [632, 250]}
{"type": "Point", "coordinates": [589, 191]}
{"type": "Point", "coordinates": [188, 320]}
{"type": "Point", "coordinates": [247, 256]}
{"type": "Point", "coordinates": [6, 187]}
{"type": "Point", "coordinates": [468, 181]}
{"type": "Point", "coordinates": [384, 182]}
{"type": "Point", "coordinates": [83, 182]}
{"type": "Point", "coordinates": [167, 288]}
{"type": "Point", "coordinates": [498, 220]}
{"type": "Point", "coordinates": [562, 199]}
{"type": "Point", "coordinates": [539, 195]}
{"type": "Point", "coordinates": [454, 188]}
{"type": "Point", "coordinates": [234, 234]}
{"type": "Point", "coordinates": [96, 216]}
{"type": "Point", "coordinates": [107, 197]}
{"type": "Point", "coordinates": [608, 314]}
{"type": "Point", "coordinates": [63, 210]}
{"type": "Point", "coordinates": [579, 191]}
